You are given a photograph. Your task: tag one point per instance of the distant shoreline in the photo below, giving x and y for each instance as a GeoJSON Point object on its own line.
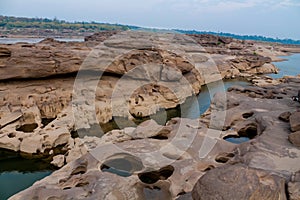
{"type": "Point", "coordinates": [42, 27]}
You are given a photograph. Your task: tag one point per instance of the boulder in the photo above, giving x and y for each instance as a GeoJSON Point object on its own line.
{"type": "Point", "coordinates": [239, 182]}
{"type": "Point", "coordinates": [146, 129]}
{"type": "Point", "coordinates": [295, 121]}
{"type": "Point", "coordinates": [285, 116]}
{"type": "Point", "coordinates": [58, 160]}
{"type": "Point", "coordinates": [294, 138]}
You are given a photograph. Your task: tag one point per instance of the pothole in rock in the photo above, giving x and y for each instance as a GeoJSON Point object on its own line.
{"type": "Point", "coordinates": [27, 128]}
{"type": "Point", "coordinates": [81, 169]}
{"type": "Point", "coordinates": [154, 176]}
{"type": "Point", "coordinates": [46, 121]}
{"type": "Point", "coordinates": [236, 139]}
{"type": "Point", "coordinates": [224, 157]}
{"type": "Point", "coordinates": [244, 134]}
{"type": "Point", "coordinates": [162, 135]}
{"type": "Point", "coordinates": [122, 164]}
{"type": "Point", "coordinates": [209, 167]}
{"type": "Point", "coordinates": [249, 131]}
{"type": "Point", "coordinates": [74, 134]}
{"type": "Point", "coordinates": [247, 115]}
{"type": "Point", "coordinates": [11, 135]}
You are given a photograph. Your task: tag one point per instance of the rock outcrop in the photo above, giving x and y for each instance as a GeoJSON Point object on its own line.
{"type": "Point", "coordinates": [55, 94]}
{"type": "Point", "coordinates": [270, 155]}
{"type": "Point", "coordinates": [169, 163]}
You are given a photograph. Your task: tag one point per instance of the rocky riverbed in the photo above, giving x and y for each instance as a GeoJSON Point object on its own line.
{"type": "Point", "coordinates": [55, 94]}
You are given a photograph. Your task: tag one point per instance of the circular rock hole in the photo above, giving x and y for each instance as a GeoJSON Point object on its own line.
{"type": "Point", "coordinates": [46, 121]}
{"type": "Point", "coordinates": [224, 157]}
{"type": "Point", "coordinates": [154, 176]}
{"type": "Point", "coordinates": [209, 167]}
{"type": "Point", "coordinates": [27, 128]}
{"type": "Point", "coordinates": [122, 165]}
{"type": "Point", "coordinates": [249, 131]}
{"type": "Point", "coordinates": [244, 134]}
{"type": "Point", "coordinates": [236, 139]}
{"type": "Point", "coordinates": [247, 115]}
{"type": "Point", "coordinates": [11, 135]}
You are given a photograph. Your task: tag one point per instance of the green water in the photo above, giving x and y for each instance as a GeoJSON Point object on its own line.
{"type": "Point", "coordinates": [17, 173]}
{"type": "Point", "coordinates": [192, 108]}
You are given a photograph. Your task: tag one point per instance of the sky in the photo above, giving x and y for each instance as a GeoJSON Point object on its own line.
{"type": "Point", "coordinates": [271, 18]}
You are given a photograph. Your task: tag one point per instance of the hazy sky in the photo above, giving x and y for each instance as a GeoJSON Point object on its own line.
{"type": "Point", "coordinates": [276, 18]}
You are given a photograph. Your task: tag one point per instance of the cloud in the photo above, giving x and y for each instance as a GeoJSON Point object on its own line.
{"type": "Point", "coordinates": [212, 6]}
{"type": "Point", "coordinates": [289, 3]}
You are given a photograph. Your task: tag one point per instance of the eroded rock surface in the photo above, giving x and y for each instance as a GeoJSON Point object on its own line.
{"type": "Point", "coordinates": [44, 107]}
{"type": "Point", "coordinates": [169, 167]}
{"type": "Point", "coordinates": [257, 113]}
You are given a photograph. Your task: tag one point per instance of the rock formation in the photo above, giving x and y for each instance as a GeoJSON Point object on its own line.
{"type": "Point", "coordinates": [167, 161]}
{"type": "Point", "coordinates": [52, 92]}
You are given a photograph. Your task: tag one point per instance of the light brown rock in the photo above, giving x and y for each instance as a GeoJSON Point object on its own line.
{"type": "Point", "coordinates": [294, 190]}
{"type": "Point", "coordinates": [58, 160]}
{"type": "Point", "coordinates": [294, 138]}
{"type": "Point", "coordinates": [295, 121]}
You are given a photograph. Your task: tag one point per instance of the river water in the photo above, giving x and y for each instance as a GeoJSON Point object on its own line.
{"type": "Point", "coordinates": [289, 67]}
{"type": "Point", "coordinates": [17, 174]}
{"type": "Point", "coordinates": [36, 40]}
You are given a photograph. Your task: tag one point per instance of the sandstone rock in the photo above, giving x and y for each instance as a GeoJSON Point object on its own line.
{"type": "Point", "coordinates": [9, 142]}
{"type": "Point", "coordinates": [294, 138]}
{"type": "Point", "coordinates": [293, 190]}
{"type": "Point", "coordinates": [28, 122]}
{"type": "Point", "coordinates": [116, 136]}
{"type": "Point", "coordinates": [101, 36]}
{"type": "Point", "coordinates": [295, 121]}
{"type": "Point", "coordinates": [239, 182]}
{"type": "Point", "coordinates": [285, 116]}
{"type": "Point", "coordinates": [246, 116]}
{"type": "Point", "coordinates": [174, 156]}
{"type": "Point", "coordinates": [78, 150]}
{"type": "Point", "coordinates": [147, 162]}
{"type": "Point", "coordinates": [58, 160]}
{"type": "Point", "coordinates": [169, 74]}
{"type": "Point", "coordinates": [4, 120]}
{"type": "Point", "coordinates": [57, 137]}
{"type": "Point", "coordinates": [4, 52]}
{"type": "Point", "coordinates": [293, 187]}
{"type": "Point", "coordinates": [147, 129]}
{"type": "Point", "coordinates": [32, 144]}
{"type": "Point", "coordinates": [211, 40]}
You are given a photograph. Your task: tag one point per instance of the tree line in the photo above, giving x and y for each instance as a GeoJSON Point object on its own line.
{"type": "Point", "coordinates": [44, 23]}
